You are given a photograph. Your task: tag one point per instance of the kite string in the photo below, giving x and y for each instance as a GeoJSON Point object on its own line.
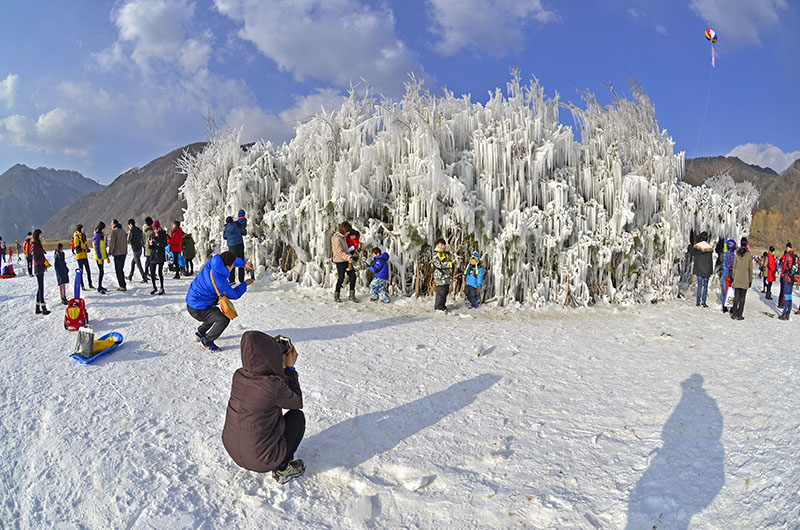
{"type": "Point", "coordinates": [705, 112]}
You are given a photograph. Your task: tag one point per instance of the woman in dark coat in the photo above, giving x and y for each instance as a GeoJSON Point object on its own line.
{"type": "Point", "coordinates": [256, 434]}
{"type": "Point", "coordinates": [62, 272]}
{"type": "Point", "coordinates": [158, 256]}
{"type": "Point", "coordinates": [39, 268]}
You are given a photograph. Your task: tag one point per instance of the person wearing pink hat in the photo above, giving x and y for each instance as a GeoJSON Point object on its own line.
{"type": "Point", "coordinates": [157, 244]}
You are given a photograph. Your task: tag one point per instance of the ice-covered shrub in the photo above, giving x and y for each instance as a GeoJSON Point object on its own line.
{"type": "Point", "coordinates": [556, 220]}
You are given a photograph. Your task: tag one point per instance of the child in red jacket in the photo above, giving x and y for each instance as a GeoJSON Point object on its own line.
{"type": "Point", "coordinates": [175, 241]}
{"type": "Point", "coordinates": [353, 239]}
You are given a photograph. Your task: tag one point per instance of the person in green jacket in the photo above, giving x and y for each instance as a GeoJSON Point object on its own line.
{"type": "Point", "coordinates": [188, 253]}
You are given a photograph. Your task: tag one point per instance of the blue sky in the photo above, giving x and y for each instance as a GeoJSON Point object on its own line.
{"type": "Point", "coordinates": [100, 87]}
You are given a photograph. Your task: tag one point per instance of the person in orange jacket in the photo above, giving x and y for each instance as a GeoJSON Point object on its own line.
{"type": "Point", "coordinates": [27, 250]}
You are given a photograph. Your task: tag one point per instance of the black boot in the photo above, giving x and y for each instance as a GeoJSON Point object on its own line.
{"type": "Point", "coordinates": [44, 310]}
{"type": "Point", "coordinates": [38, 308]}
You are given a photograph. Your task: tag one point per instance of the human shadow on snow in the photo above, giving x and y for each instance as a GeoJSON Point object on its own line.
{"type": "Point", "coordinates": [354, 441]}
{"type": "Point", "coordinates": [341, 331]}
{"type": "Point", "coordinates": [688, 471]}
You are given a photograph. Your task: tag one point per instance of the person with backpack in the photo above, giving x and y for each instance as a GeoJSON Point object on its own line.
{"type": "Point", "coordinates": [118, 248]}
{"type": "Point", "coordinates": [188, 254]}
{"type": "Point", "coordinates": [257, 435]}
{"type": "Point", "coordinates": [742, 278]}
{"type": "Point", "coordinates": [790, 268]}
{"type": "Point", "coordinates": [158, 256]}
{"type": "Point", "coordinates": [27, 250]}
{"type": "Point", "coordinates": [205, 292]}
{"type": "Point", "coordinates": [234, 233]}
{"type": "Point", "coordinates": [148, 235]}
{"type": "Point", "coordinates": [136, 241]}
{"type": "Point", "coordinates": [175, 241]}
{"type": "Point", "coordinates": [81, 250]}
{"type": "Point", "coordinates": [40, 265]}
{"type": "Point", "coordinates": [62, 272]}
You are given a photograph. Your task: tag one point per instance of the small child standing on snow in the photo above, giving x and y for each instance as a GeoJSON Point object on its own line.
{"type": "Point", "coordinates": [442, 264]}
{"type": "Point", "coordinates": [379, 286]}
{"type": "Point", "coordinates": [473, 279]}
{"type": "Point", "coordinates": [62, 273]}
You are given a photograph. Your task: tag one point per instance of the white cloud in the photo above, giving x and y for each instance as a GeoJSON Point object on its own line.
{"type": "Point", "coordinates": [57, 131]}
{"type": "Point", "coordinates": [740, 20]}
{"type": "Point", "coordinates": [660, 28]}
{"type": "Point", "coordinates": [765, 155]}
{"type": "Point", "coordinates": [8, 90]}
{"type": "Point", "coordinates": [485, 26]}
{"type": "Point", "coordinates": [153, 33]}
{"type": "Point", "coordinates": [333, 40]}
{"type": "Point", "coordinates": [259, 124]}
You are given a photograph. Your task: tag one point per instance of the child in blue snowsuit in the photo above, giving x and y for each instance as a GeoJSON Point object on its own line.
{"type": "Point", "coordinates": [473, 278]}
{"type": "Point", "coordinates": [379, 287]}
{"type": "Point", "coordinates": [727, 270]}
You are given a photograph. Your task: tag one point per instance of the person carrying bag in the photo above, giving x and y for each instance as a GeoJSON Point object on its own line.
{"type": "Point", "coordinates": [209, 296]}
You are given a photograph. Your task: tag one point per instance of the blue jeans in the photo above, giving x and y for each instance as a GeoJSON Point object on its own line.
{"type": "Point", "coordinates": [702, 289]}
{"type": "Point", "coordinates": [787, 297]}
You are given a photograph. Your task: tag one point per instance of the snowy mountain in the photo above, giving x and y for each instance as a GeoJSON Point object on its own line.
{"type": "Point", "coordinates": [148, 190]}
{"type": "Point", "coordinates": [28, 197]}
{"type": "Point", "coordinates": [556, 220]}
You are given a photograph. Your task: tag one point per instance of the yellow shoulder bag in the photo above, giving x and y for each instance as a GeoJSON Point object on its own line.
{"type": "Point", "coordinates": [225, 305]}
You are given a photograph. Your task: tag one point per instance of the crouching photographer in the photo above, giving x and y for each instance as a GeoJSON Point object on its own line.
{"type": "Point", "coordinates": [257, 435]}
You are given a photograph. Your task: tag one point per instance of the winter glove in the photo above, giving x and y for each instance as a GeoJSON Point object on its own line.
{"type": "Point", "coordinates": [354, 258]}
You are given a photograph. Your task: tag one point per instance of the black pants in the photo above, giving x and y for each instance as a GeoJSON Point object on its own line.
{"type": "Point", "coordinates": [29, 259]}
{"type": "Point", "coordinates": [100, 274]}
{"type": "Point", "coordinates": [294, 422]}
{"type": "Point", "coordinates": [769, 290]}
{"type": "Point", "coordinates": [213, 322]}
{"type": "Point", "coordinates": [146, 266]}
{"type": "Point", "coordinates": [189, 269]}
{"type": "Point", "coordinates": [84, 264]}
{"type": "Point", "coordinates": [738, 302]}
{"type": "Point", "coordinates": [40, 289]}
{"type": "Point", "coordinates": [238, 251]}
{"type": "Point", "coordinates": [472, 295]}
{"type": "Point", "coordinates": [782, 293]}
{"type": "Point", "coordinates": [341, 270]}
{"type": "Point", "coordinates": [119, 267]}
{"type": "Point", "coordinates": [137, 262]}
{"type": "Point", "coordinates": [160, 268]}
{"type": "Point", "coordinates": [441, 296]}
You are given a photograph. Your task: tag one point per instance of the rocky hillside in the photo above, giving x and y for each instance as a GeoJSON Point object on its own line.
{"type": "Point", "coordinates": [148, 190]}
{"type": "Point", "coordinates": [29, 197]}
{"type": "Point", "coordinates": [777, 216]}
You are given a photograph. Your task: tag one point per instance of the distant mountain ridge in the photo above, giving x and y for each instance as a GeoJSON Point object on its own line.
{"type": "Point", "coordinates": [776, 219]}
{"type": "Point", "coordinates": [148, 190]}
{"type": "Point", "coordinates": [29, 197]}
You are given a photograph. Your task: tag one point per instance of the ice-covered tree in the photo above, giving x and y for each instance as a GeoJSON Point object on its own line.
{"type": "Point", "coordinates": [556, 220]}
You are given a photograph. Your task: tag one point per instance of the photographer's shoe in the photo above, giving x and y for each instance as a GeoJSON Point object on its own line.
{"type": "Point", "coordinates": [198, 336]}
{"type": "Point", "coordinates": [210, 346]}
{"type": "Point", "coordinates": [294, 469]}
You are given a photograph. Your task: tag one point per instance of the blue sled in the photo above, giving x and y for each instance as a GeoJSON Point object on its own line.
{"type": "Point", "coordinates": [117, 339]}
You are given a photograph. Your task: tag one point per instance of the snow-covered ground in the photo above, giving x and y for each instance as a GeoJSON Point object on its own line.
{"type": "Point", "coordinates": [648, 416]}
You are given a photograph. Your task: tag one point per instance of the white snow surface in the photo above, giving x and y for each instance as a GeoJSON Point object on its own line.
{"type": "Point", "coordinates": [628, 416]}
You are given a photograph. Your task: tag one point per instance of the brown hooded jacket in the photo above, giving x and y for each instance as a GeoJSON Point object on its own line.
{"type": "Point", "coordinates": [253, 432]}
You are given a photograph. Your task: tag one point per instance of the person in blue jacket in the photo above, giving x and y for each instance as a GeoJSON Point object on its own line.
{"type": "Point", "coordinates": [379, 286]}
{"type": "Point", "coordinates": [233, 234]}
{"type": "Point", "coordinates": [727, 270]}
{"type": "Point", "coordinates": [202, 298]}
{"type": "Point", "coordinates": [473, 278]}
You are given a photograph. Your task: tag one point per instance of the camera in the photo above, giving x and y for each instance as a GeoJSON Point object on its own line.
{"type": "Point", "coordinates": [285, 343]}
